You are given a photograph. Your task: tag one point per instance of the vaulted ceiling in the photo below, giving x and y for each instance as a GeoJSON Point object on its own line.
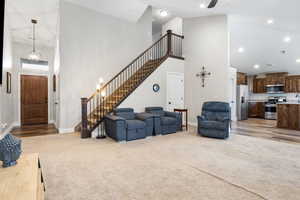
{"type": "Point", "coordinates": [20, 13]}
{"type": "Point", "coordinates": [262, 43]}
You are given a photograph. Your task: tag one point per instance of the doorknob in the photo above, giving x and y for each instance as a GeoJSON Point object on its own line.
{"type": "Point", "coordinates": [170, 103]}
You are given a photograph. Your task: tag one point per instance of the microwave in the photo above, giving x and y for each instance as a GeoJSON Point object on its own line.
{"type": "Point", "coordinates": [275, 89]}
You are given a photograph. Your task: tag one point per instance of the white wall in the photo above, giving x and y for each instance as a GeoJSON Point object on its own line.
{"type": "Point", "coordinates": [6, 105]}
{"type": "Point", "coordinates": [144, 96]}
{"type": "Point", "coordinates": [156, 37]}
{"type": "Point", "coordinates": [94, 45]}
{"type": "Point", "coordinates": [175, 25]}
{"type": "Point", "coordinates": [21, 51]}
{"type": "Point", "coordinates": [206, 44]}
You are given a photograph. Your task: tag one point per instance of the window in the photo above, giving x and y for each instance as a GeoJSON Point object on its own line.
{"type": "Point", "coordinates": [34, 65]}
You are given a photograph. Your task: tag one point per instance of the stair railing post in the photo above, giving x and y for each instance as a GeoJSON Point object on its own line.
{"type": "Point", "coordinates": [84, 118]}
{"type": "Point", "coordinates": [169, 37]}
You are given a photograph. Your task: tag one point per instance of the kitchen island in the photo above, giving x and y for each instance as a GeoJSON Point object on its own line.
{"type": "Point", "coordinates": [288, 115]}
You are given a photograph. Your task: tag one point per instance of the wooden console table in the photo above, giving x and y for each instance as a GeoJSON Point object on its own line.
{"type": "Point", "coordinates": [23, 181]}
{"type": "Point", "coordinates": [186, 116]}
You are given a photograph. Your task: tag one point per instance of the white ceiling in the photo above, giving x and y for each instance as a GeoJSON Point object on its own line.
{"type": "Point", "coordinates": [248, 27]}
{"type": "Point", "coordinates": [130, 10]}
{"type": "Point", "coordinates": [263, 44]}
{"type": "Point", "coordinates": [158, 20]}
{"type": "Point", "coordinates": [20, 13]}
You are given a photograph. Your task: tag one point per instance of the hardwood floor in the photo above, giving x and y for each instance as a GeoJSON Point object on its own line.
{"type": "Point", "coordinates": [265, 129]}
{"type": "Point", "coordinates": [35, 130]}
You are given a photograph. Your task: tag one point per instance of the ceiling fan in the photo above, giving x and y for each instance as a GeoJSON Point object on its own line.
{"type": "Point", "coordinates": [212, 3]}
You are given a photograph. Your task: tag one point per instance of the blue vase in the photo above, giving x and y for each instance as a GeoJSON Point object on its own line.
{"type": "Point", "coordinates": [10, 150]}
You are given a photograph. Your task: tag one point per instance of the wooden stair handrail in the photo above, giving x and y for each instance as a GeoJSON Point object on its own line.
{"type": "Point", "coordinates": [180, 36]}
{"type": "Point", "coordinates": [126, 81]}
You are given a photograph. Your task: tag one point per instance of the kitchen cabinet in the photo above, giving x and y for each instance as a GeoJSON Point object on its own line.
{"type": "Point", "coordinates": [292, 84]}
{"type": "Point", "coordinates": [288, 116]}
{"type": "Point", "coordinates": [241, 78]}
{"type": "Point", "coordinates": [256, 110]}
{"type": "Point", "coordinates": [276, 78]}
{"type": "Point", "coordinates": [259, 85]}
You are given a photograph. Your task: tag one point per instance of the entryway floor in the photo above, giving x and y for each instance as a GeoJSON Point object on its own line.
{"type": "Point", "coordinates": [265, 129]}
{"type": "Point", "coordinates": [35, 130]}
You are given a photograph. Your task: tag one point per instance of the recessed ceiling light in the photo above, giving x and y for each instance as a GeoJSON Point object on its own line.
{"type": "Point", "coordinates": [256, 66]}
{"type": "Point", "coordinates": [298, 60]}
{"type": "Point", "coordinates": [270, 21]}
{"type": "Point", "coordinates": [287, 39]}
{"type": "Point", "coordinates": [163, 13]}
{"type": "Point", "coordinates": [202, 5]}
{"type": "Point", "coordinates": [241, 50]}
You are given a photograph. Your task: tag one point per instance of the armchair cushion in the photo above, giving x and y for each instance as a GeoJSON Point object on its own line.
{"type": "Point", "coordinates": [156, 110]}
{"type": "Point", "coordinates": [216, 111]}
{"type": "Point", "coordinates": [168, 120]}
{"type": "Point", "coordinates": [114, 118]}
{"type": "Point", "coordinates": [143, 116]}
{"type": "Point", "coordinates": [135, 124]}
{"type": "Point", "coordinates": [126, 113]}
{"type": "Point", "coordinates": [213, 125]}
{"type": "Point", "coordinates": [172, 114]}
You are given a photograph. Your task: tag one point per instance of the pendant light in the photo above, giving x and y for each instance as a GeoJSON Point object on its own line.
{"type": "Point", "coordinates": [34, 55]}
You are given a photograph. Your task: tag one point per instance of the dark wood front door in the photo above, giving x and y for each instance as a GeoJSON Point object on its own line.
{"type": "Point", "coordinates": [34, 100]}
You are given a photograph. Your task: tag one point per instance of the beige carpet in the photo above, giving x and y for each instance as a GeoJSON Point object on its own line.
{"type": "Point", "coordinates": [178, 166]}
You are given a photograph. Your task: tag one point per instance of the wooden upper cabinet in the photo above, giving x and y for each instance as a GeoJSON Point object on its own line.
{"type": "Point", "coordinates": [259, 85]}
{"type": "Point", "coordinates": [276, 78]}
{"type": "Point", "coordinates": [242, 78]}
{"type": "Point", "coordinates": [292, 84]}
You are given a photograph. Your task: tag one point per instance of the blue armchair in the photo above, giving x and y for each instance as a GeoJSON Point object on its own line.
{"type": "Point", "coordinates": [125, 125]}
{"type": "Point", "coordinates": [215, 120]}
{"type": "Point", "coordinates": [165, 122]}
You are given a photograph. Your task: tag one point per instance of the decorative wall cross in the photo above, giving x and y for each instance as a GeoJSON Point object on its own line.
{"type": "Point", "coordinates": [203, 75]}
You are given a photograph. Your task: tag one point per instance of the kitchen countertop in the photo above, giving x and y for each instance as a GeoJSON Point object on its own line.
{"type": "Point", "coordinates": [254, 101]}
{"type": "Point", "coordinates": [290, 102]}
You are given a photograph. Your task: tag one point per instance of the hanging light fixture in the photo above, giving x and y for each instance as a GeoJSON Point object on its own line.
{"type": "Point", "coordinates": [34, 55]}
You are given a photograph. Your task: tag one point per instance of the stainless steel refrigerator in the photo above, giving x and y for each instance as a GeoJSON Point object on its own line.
{"type": "Point", "coordinates": [242, 96]}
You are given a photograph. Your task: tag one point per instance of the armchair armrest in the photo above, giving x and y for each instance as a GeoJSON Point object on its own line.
{"type": "Point", "coordinates": [201, 118]}
{"type": "Point", "coordinates": [226, 119]}
{"type": "Point", "coordinates": [114, 118]}
{"type": "Point", "coordinates": [143, 116]}
{"type": "Point", "coordinates": [115, 127]}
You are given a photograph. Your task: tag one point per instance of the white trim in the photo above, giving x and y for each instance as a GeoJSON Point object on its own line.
{"type": "Point", "coordinates": [66, 130]}
{"type": "Point", "coordinates": [51, 121]}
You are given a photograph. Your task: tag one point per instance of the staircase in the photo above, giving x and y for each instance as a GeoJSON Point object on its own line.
{"type": "Point", "coordinates": [114, 92]}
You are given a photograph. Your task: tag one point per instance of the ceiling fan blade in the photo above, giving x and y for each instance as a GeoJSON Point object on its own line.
{"type": "Point", "coordinates": [212, 4]}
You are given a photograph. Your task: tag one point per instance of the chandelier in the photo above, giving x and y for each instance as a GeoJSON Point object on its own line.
{"type": "Point", "coordinates": [34, 55]}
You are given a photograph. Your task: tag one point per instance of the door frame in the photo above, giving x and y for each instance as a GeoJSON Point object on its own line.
{"type": "Point", "coordinates": [176, 74]}
{"type": "Point", "coordinates": [20, 98]}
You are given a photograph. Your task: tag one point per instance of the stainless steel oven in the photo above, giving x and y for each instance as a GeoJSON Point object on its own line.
{"type": "Point", "coordinates": [271, 107]}
{"type": "Point", "coordinates": [270, 111]}
{"type": "Point", "coordinates": [275, 89]}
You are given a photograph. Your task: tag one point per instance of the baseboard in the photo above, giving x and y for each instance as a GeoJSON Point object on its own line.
{"type": "Point", "coordinates": [192, 123]}
{"type": "Point", "coordinates": [65, 130]}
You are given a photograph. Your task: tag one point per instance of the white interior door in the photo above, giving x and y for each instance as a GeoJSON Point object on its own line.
{"type": "Point", "coordinates": [175, 91]}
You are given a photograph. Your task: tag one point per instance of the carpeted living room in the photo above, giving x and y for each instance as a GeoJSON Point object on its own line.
{"type": "Point", "coordinates": [183, 165]}
{"type": "Point", "coordinates": [149, 100]}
